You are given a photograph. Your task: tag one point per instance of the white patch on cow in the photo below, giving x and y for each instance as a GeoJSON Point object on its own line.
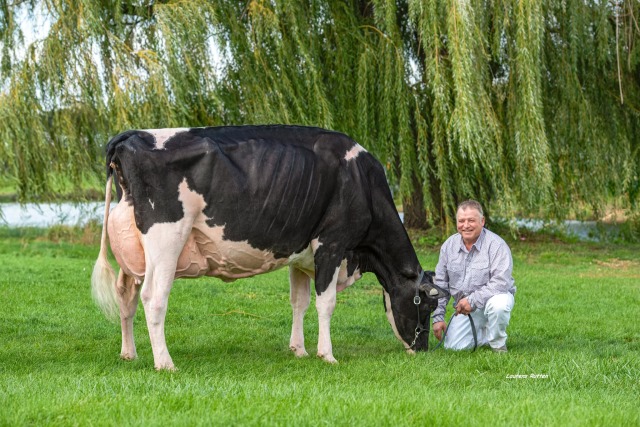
{"type": "Point", "coordinates": [193, 203]}
{"type": "Point", "coordinates": [392, 321]}
{"type": "Point", "coordinates": [315, 244]}
{"type": "Point", "coordinates": [344, 280]}
{"type": "Point", "coordinates": [163, 135]}
{"type": "Point", "coordinates": [354, 152]}
{"type": "Point", "coordinates": [153, 205]}
{"type": "Point", "coordinates": [304, 261]}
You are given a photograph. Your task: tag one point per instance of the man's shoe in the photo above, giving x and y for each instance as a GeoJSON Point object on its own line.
{"type": "Point", "coordinates": [502, 349]}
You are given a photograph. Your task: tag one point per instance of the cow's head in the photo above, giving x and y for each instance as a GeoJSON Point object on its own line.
{"type": "Point", "coordinates": [403, 313]}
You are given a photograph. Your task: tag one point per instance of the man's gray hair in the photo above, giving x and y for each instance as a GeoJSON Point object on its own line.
{"type": "Point", "coordinates": [471, 204]}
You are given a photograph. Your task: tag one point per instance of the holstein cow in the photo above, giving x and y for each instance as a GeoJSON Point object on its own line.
{"type": "Point", "coordinates": [233, 202]}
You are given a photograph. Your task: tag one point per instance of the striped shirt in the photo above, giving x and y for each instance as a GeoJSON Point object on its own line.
{"type": "Point", "coordinates": [477, 274]}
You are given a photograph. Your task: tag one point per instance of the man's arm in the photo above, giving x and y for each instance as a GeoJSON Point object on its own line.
{"type": "Point", "coordinates": [441, 280]}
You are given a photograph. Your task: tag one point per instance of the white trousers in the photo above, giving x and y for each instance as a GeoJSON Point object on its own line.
{"type": "Point", "coordinates": [491, 325]}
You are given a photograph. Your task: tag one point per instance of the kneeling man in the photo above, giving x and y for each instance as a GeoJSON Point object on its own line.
{"type": "Point", "coordinates": [475, 267]}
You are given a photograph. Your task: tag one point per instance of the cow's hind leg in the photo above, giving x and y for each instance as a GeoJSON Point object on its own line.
{"type": "Point", "coordinates": [300, 297]}
{"type": "Point", "coordinates": [128, 292]}
{"type": "Point", "coordinates": [163, 244]}
{"type": "Point", "coordinates": [155, 299]}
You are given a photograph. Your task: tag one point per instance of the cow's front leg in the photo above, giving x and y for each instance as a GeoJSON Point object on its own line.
{"type": "Point", "coordinates": [325, 304]}
{"type": "Point", "coordinates": [300, 297]}
{"type": "Point", "coordinates": [128, 295]}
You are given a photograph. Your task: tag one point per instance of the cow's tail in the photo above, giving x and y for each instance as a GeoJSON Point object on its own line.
{"type": "Point", "coordinates": [103, 279]}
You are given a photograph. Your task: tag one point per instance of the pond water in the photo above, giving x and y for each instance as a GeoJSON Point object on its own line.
{"type": "Point", "coordinates": [583, 230]}
{"type": "Point", "coordinates": [79, 214]}
{"type": "Point", "coordinates": [50, 214]}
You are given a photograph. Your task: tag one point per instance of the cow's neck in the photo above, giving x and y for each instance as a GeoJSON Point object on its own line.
{"type": "Point", "coordinates": [391, 256]}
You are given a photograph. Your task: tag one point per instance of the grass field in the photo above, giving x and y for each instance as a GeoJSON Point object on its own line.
{"type": "Point", "coordinates": [574, 349]}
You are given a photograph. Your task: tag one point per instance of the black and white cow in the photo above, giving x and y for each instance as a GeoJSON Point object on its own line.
{"type": "Point", "coordinates": [233, 202]}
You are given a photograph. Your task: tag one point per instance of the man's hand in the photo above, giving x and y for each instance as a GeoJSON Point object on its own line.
{"type": "Point", "coordinates": [438, 329]}
{"type": "Point", "coordinates": [463, 306]}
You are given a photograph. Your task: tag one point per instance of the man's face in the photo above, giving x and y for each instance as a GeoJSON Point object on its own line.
{"type": "Point", "coordinates": [470, 224]}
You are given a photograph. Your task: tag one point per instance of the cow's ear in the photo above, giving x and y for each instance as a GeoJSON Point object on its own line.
{"type": "Point", "coordinates": [429, 290]}
{"type": "Point", "coordinates": [432, 291]}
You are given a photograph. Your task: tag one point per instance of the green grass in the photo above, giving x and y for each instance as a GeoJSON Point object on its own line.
{"type": "Point", "coordinates": [575, 321]}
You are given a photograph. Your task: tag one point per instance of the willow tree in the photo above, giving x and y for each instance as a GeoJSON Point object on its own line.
{"type": "Point", "coordinates": [529, 106]}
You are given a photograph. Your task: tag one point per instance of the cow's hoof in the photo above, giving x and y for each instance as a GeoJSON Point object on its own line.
{"type": "Point", "coordinates": [166, 365]}
{"type": "Point", "coordinates": [299, 351]}
{"type": "Point", "coordinates": [328, 358]}
{"type": "Point", "coordinates": [128, 356]}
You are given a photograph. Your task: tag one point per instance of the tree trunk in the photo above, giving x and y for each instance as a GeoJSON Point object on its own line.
{"type": "Point", "coordinates": [415, 215]}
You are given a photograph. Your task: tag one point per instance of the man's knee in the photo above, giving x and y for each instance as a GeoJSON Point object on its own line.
{"type": "Point", "coordinates": [500, 304]}
{"type": "Point", "coordinates": [459, 335]}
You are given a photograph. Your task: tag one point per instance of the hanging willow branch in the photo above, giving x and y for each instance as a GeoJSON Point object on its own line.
{"type": "Point", "coordinates": [517, 103]}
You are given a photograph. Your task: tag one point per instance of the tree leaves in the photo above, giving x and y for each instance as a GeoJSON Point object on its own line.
{"type": "Point", "coordinates": [515, 103]}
